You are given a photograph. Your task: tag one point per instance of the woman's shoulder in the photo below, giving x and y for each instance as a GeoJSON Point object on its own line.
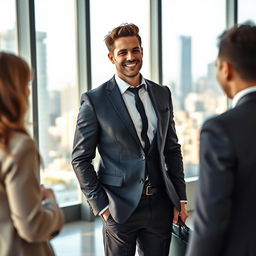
{"type": "Point", "coordinates": [21, 149]}
{"type": "Point", "coordinates": [21, 142]}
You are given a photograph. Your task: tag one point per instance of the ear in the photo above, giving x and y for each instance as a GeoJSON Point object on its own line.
{"type": "Point", "coordinates": [111, 57]}
{"type": "Point", "coordinates": [227, 70]}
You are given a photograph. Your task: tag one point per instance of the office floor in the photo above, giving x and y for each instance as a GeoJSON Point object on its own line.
{"type": "Point", "coordinates": [83, 239]}
{"type": "Point", "coordinates": [80, 238]}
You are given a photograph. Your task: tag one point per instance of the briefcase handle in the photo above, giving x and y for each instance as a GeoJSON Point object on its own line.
{"type": "Point", "coordinates": [182, 230]}
{"type": "Point", "coordinates": [182, 225]}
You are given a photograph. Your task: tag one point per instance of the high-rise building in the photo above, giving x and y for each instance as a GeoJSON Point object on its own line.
{"type": "Point", "coordinates": [185, 81]}
{"type": "Point", "coordinates": [55, 106]}
{"type": "Point", "coordinates": [43, 97]}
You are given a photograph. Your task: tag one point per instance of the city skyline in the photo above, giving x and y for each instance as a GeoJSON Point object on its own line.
{"type": "Point", "coordinates": [59, 100]}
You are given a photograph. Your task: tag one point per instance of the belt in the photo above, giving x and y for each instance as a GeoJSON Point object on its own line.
{"type": "Point", "coordinates": [150, 190]}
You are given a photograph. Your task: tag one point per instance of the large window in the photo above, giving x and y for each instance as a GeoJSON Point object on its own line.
{"type": "Point", "coordinates": [8, 28]}
{"type": "Point", "coordinates": [105, 15]}
{"type": "Point", "coordinates": [190, 30]}
{"type": "Point", "coordinates": [57, 94]}
{"type": "Point", "coordinates": [246, 10]}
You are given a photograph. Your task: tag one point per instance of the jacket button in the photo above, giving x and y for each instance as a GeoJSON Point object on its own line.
{"type": "Point", "coordinates": [143, 157]}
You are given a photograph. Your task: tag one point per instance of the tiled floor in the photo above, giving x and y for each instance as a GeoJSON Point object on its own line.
{"type": "Point", "coordinates": [80, 239]}
{"type": "Point", "coordinates": [83, 239]}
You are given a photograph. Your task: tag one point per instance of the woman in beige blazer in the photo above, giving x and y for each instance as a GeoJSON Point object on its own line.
{"type": "Point", "coordinates": [29, 215]}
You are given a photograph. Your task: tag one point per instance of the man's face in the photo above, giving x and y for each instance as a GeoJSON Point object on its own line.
{"type": "Point", "coordinates": [127, 57]}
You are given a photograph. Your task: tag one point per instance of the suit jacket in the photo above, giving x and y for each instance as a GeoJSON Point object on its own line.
{"type": "Point", "coordinates": [224, 222]}
{"type": "Point", "coordinates": [25, 225]}
{"type": "Point", "coordinates": [104, 122]}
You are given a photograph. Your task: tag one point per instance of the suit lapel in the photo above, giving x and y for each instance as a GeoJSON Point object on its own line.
{"type": "Point", "coordinates": [115, 97]}
{"type": "Point", "coordinates": [153, 96]}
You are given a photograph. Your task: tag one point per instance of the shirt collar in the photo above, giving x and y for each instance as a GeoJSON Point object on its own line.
{"type": "Point", "coordinates": [241, 94]}
{"type": "Point", "coordinates": [123, 86]}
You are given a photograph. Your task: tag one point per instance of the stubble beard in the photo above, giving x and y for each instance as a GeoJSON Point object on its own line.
{"type": "Point", "coordinates": [134, 73]}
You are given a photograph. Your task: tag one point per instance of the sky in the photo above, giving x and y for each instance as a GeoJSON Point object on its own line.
{"type": "Point", "coordinates": [7, 14]}
{"type": "Point", "coordinates": [203, 20]}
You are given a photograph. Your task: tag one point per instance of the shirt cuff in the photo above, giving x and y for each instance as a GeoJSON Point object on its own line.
{"type": "Point", "coordinates": [104, 209]}
{"type": "Point", "coordinates": [184, 201]}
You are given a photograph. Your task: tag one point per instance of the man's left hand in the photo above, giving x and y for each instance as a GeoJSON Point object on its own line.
{"type": "Point", "coordinates": [183, 213]}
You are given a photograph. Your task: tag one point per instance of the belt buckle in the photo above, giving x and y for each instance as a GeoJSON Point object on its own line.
{"type": "Point", "coordinates": [147, 191]}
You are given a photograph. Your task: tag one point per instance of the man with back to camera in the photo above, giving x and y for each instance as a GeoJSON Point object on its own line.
{"type": "Point", "coordinates": [139, 187]}
{"type": "Point", "coordinates": [224, 223]}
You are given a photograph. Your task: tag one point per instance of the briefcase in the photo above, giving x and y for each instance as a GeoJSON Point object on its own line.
{"type": "Point", "coordinates": [180, 237]}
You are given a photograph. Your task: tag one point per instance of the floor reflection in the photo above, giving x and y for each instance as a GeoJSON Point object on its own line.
{"type": "Point", "coordinates": [80, 239]}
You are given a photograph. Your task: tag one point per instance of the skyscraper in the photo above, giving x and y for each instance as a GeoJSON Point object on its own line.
{"type": "Point", "coordinates": [43, 97]}
{"type": "Point", "coordinates": [185, 84]}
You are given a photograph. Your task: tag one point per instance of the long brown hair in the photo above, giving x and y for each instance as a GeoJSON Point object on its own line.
{"type": "Point", "coordinates": [15, 75]}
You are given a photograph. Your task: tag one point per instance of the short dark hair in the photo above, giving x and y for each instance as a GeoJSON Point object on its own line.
{"type": "Point", "coordinates": [238, 46]}
{"type": "Point", "coordinates": [124, 30]}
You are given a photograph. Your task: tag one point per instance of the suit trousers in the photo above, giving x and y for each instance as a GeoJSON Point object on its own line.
{"type": "Point", "coordinates": [149, 227]}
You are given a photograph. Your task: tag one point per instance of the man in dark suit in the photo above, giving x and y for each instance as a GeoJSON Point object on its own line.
{"type": "Point", "coordinates": [224, 222]}
{"type": "Point", "coordinates": [139, 187]}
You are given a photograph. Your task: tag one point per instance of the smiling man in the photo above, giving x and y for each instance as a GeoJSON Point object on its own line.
{"type": "Point", "coordinates": [139, 188]}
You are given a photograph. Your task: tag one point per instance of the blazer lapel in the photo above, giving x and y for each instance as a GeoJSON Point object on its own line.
{"type": "Point", "coordinates": [115, 97]}
{"type": "Point", "coordinates": [153, 97]}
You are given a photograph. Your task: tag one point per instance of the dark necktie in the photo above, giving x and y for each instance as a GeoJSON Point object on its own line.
{"type": "Point", "coordinates": [144, 119]}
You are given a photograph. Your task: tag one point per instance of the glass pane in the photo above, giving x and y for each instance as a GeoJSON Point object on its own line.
{"type": "Point", "coordinates": [8, 28]}
{"type": "Point", "coordinates": [190, 30]}
{"type": "Point", "coordinates": [246, 10]}
{"type": "Point", "coordinates": [106, 15]}
{"type": "Point", "coordinates": [58, 98]}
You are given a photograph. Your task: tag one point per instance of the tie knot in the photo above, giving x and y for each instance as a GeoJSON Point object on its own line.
{"type": "Point", "coordinates": [135, 90]}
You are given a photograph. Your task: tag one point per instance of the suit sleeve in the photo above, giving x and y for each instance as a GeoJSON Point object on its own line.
{"type": "Point", "coordinates": [33, 221]}
{"type": "Point", "coordinates": [85, 142]}
{"type": "Point", "coordinates": [214, 199]}
{"type": "Point", "coordinates": [173, 157]}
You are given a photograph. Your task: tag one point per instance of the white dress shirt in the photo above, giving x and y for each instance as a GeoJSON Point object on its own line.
{"type": "Point", "coordinates": [129, 99]}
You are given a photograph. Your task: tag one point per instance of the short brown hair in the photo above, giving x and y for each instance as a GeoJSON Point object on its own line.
{"type": "Point", "coordinates": [124, 30]}
{"type": "Point", "coordinates": [238, 46]}
{"type": "Point", "coordinates": [15, 75]}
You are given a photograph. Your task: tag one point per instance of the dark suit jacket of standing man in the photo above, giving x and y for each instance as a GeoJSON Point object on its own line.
{"type": "Point", "coordinates": [226, 206]}
{"type": "Point", "coordinates": [224, 222]}
{"type": "Point", "coordinates": [104, 122]}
